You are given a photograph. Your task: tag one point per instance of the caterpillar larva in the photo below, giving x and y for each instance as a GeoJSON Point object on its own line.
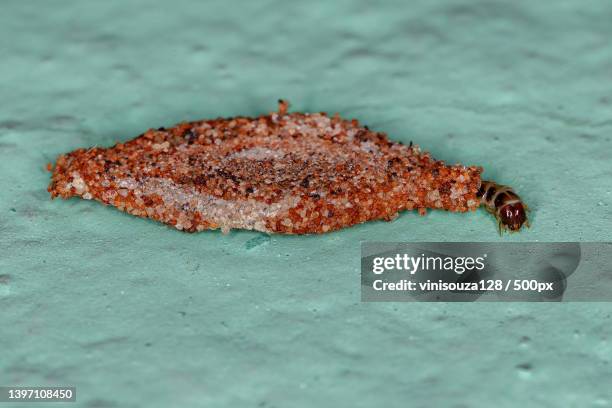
{"type": "Point", "coordinates": [505, 205]}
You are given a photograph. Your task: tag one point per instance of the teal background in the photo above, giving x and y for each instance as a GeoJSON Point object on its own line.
{"type": "Point", "coordinates": [135, 314]}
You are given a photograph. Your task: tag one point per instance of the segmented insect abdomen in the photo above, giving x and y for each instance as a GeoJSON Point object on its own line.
{"type": "Point", "coordinates": [504, 204]}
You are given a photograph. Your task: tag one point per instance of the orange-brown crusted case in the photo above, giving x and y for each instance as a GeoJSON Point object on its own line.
{"type": "Point", "coordinates": [285, 172]}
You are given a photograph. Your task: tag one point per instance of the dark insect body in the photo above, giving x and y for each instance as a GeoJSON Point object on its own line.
{"type": "Point", "coordinates": [505, 205]}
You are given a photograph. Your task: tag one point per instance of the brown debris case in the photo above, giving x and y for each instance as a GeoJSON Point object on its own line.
{"type": "Point", "coordinates": [285, 173]}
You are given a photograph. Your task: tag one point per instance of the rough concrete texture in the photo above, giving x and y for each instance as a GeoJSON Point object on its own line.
{"type": "Point", "coordinates": [138, 315]}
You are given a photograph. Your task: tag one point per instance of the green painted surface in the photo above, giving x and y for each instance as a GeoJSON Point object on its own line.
{"type": "Point", "coordinates": [138, 315]}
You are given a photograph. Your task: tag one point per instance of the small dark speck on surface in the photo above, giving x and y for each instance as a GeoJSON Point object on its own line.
{"type": "Point", "coordinates": [257, 241]}
{"type": "Point", "coordinates": [10, 124]}
{"type": "Point", "coordinates": [524, 366]}
{"type": "Point", "coordinates": [105, 342]}
{"type": "Point", "coordinates": [63, 119]}
{"type": "Point", "coordinates": [587, 136]}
